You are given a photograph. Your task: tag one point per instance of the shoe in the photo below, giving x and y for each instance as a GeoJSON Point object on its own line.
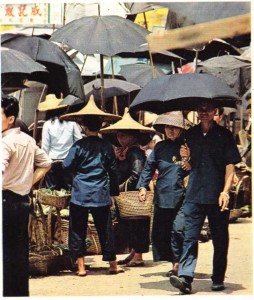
{"type": "Point", "coordinates": [171, 272]}
{"type": "Point", "coordinates": [135, 263]}
{"type": "Point", "coordinates": [81, 273]}
{"type": "Point", "coordinates": [115, 271]}
{"type": "Point", "coordinates": [123, 261]}
{"type": "Point", "coordinates": [218, 286]}
{"type": "Point", "coordinates": [180, 284]}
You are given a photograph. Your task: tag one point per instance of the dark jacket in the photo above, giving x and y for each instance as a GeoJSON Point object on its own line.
{"type": "Point", "coordinates": [129, 169]}
{"type": "Point", "coordinates": [169, 189]}
{"type": "Point", "coordinates": [93, 162]}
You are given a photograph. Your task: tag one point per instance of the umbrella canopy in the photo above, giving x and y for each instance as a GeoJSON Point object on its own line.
{"type": "Point", "coordinates": [92, 110]}
{"type": "Point", "coordinates": [16, 67]}
{"type": "Point", "coordinates": [183, 92]}
{"type": "Point", "coordinates": [140, 74]}
{"type": "Point", "coordinates": [107, 35]}
{"type": "Point", "coordinates": [64, 76]}
{"type": "Point", "coordinates": [232, 69]}
{"type": "Point", "coordinates": [13, 61]}
{"type": "Point", "coordinates": [113, 87]}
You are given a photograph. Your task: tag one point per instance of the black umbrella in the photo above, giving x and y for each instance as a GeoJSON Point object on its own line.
{"type": "Point", "coordinates": [64, 76]}
{"type": "Point", "coordinates": [105, 35]}
{"type": "Point", "coordinates": [183, 92]}
{"type": "Point", "coordinates": [232, 69]}
{"type": "Point", "coordinates": [140, 74]}
{"type": "Point", "coordinates": [113, 87]}
{"type": "Point", "coordinates": [17, 66]}
{"type": "Point", "coordinates": [13, 61]}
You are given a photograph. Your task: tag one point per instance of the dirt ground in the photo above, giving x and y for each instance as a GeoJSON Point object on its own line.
{"type": "Point", "coordinates": [150, 280]}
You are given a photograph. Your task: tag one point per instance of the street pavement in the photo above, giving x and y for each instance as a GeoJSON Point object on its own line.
{"type": "Point", "coordinates": [150, 280]}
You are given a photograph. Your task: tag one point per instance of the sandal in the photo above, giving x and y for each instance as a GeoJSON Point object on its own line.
{"type": "Point", "coordinates": [135, 263]}
{"type": "Point", "coordinates": [124, 261]}
{"type": "Point", "coordinates": [115, 271]}
{"type": "Point", "coordinates": [81, 273]}
{"type": "Point", "coordinates": [171, 272]}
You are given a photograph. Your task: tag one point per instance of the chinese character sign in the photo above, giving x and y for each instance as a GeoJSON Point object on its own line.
{"type": "Point", "coordinates": [36, 13]}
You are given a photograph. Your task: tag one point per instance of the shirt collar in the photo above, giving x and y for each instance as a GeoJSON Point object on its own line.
{"type": "Point", "coordinates": [10, 131]}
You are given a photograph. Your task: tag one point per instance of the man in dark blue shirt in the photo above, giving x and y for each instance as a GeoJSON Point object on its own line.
{"type": "Point", "coordinates": [213, 154]}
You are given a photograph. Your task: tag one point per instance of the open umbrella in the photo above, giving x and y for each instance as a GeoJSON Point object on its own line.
{"type": "Point", "coordinates": [183, 92]}
{"type": "Point", "coordinates": [63, 77]}
{"type": "Point", "coordinates": [113, 87]}
{"type": "Point", "coordinates": [17, 66]}
{"type": "Point", "coordinates": [232, 69]}
{"type": "Point", "coordinates": [140, 74]}
{"type": "Point", "coordinates": [13, 61]}
{"type": "Point", "coordinates": [104, 35]}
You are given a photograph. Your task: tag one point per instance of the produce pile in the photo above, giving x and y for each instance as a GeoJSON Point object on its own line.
{"type": "Point", "coordinates": [52, 192]}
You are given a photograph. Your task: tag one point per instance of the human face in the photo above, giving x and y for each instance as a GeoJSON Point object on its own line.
{"type": "Point", "coordinates": [125, 139]}
{"type": "Point", "coordinates": [217, 117]}
{"type": "Point", "coordinates": [206, 113]}
{"type": "Point", "coordinates": [172, 132]}
{"type": "Point", "coordinates": [7, 122]}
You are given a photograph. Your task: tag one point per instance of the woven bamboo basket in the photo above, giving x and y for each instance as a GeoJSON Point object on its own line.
{"type": "Point", "coordinates": [92, 236]}
{"type": "Point", "coordinates": [57, 201]}
{"type": "Point", "coordinates": [131, 208]}
{"type": "Point", "coordinates": [44, 262]}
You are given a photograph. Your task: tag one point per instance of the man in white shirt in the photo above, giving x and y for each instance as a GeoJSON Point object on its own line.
{"type": "Point", "coordinates": [20, 155]}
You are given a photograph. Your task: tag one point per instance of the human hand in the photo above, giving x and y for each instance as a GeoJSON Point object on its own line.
{"type": "Point", "coordinates": [112, 201]}
{"type": "Point", "coordinates": [186, 165]}
{"type": "Point", "coordinates": [224, 201]}
{"type": "Point", "coordinates": [185, 151]}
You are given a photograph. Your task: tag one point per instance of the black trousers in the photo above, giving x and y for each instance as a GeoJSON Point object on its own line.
{"type": "Point", "coordinates": [218, 222]}
{"type": "Point", "coordinates": [15, 214]}
{"type": "Point", "coordinates": [167, 234]}
{"type": "Point", "coordinates": [78, 229]}
{"type": "Point", "coordinates": [58, 178]}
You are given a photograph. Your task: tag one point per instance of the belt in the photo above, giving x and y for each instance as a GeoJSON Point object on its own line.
{"type": "Point", "coordinates": [10, 195]}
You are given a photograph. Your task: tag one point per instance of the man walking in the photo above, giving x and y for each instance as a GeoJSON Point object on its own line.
{"type": "Point", "coordinates": [19, 156]}
{"type": "Point", "coordinates": [213, 153]}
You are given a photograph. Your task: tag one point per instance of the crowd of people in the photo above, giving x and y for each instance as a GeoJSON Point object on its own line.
{"type": "Point", "coordinates": [190, 171]}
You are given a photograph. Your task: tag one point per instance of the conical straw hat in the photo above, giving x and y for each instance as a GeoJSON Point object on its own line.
{"type": "Point", "coordinates": [51, 103]}
{"type": "Point", "coordinates": [173, 118]}
{"type": "Point", "coordinates": [149, 118]}
{"type": "Point", "coordinates": [127, 123]}
{"type": "Point", "coordinates": [92, 110]}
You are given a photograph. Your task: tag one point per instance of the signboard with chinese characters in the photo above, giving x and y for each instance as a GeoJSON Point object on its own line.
{"type": "Point", "coordinates": [27, 14]}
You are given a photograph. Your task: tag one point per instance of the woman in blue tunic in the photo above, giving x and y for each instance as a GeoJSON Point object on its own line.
{"type": "Point", "coordinates": [168, 222]}
{"type": "Point", "coordinates": [93, 163]}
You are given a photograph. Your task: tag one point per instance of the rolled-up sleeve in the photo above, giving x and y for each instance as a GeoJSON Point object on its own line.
{"type": "Point", "coordinates": [6, 154]}
{"type": "Point", "coordinates": [41, 159]}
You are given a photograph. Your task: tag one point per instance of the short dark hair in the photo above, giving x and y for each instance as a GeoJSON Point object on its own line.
{"type": "Point", "coordinates": [93, 123]}
{"type": "Point", "coordinates": [248, 96]}
{"type": "Point", "coordinates": [10, 106]}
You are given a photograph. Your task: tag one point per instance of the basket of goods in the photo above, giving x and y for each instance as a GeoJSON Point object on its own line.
{"type": "Point", "coordinates": [46, 260]}
{"type": "Point", "coordinates": [93, 245]}
{"type": "Point", "coordinates": [92, 242]}
{"type": "Point", "coordinates": [59, 199]}
{"type": "Point", "coordinates": [130, 207]}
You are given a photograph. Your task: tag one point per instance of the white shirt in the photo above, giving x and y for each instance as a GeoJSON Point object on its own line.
{"type": "Point", "coordinates": [19, 156]}
{"type": "Point", "coordinates": [58, 137]}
